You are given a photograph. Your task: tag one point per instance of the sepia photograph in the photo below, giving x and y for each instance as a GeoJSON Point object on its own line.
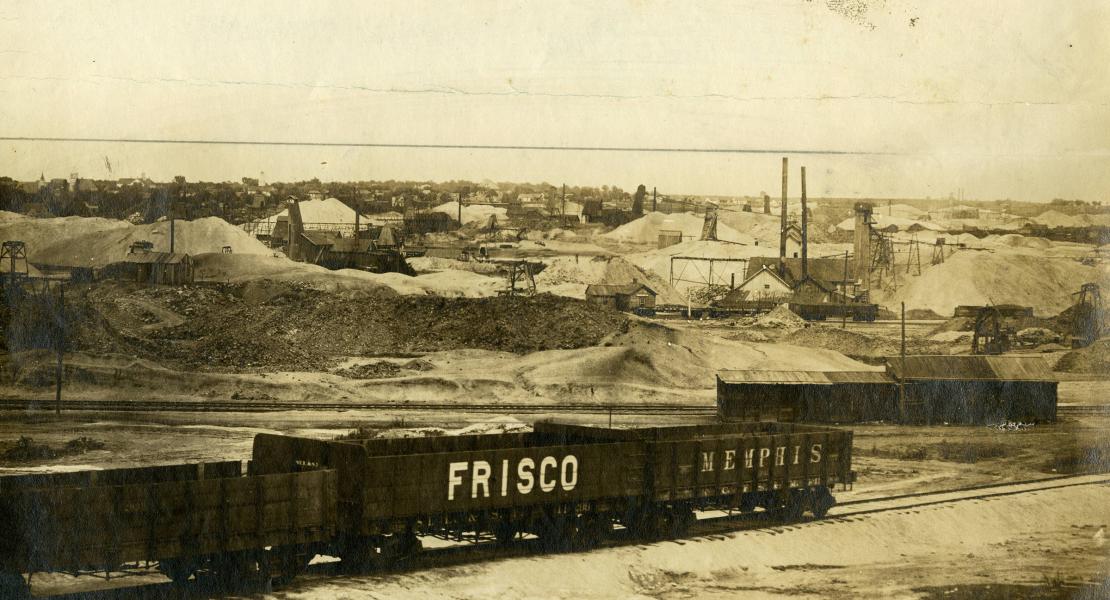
{"type": "Point", "coordinates": [768, 299]}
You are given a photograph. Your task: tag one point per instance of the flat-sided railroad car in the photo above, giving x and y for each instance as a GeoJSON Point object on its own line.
{"type": "Point", "coordinates": [368, 501]}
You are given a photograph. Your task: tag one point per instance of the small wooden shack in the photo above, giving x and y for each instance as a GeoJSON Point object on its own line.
{"type": "Point", "coordinates": [628, 296]}
{"type": "Point", "coordinates": [158, 268]}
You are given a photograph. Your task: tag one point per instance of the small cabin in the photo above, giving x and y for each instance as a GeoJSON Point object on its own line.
{"type": "Point", "coordinates": [629, 296]}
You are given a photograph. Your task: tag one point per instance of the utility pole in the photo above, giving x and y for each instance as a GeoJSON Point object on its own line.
{"type": "Point", "coordinates": [844, 299]}
{"type": "Point", "coordinates": [782, 222]}
{"type": "Point", "coordinates": [564, 199]}
{"type": "Point", "coordinates": [60, 343]}
{"type": "Point", "coordinates": [902, 379]}
{"type": "Point", "coordinates": [170, 210]}
{"type": "Point", "coordinates": [654, 199]}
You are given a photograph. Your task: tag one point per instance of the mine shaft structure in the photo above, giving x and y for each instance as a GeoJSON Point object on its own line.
{"type": "Point", "coordinates": [938, 251]}
{"type": "Point", "coordinates": [1086, 316]}
{"type": "Point", "coordinates": [990, 334]}
{"type": "Point", "coordinates": [882, 260]}
{"type": "Point", "coordinates": [13, 260]}
{"type": "Point", "coordinates": [913, 261]}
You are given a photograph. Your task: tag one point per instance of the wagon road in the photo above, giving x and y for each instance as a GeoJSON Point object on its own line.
{"type": "Point", "coordinates": [723, 555]}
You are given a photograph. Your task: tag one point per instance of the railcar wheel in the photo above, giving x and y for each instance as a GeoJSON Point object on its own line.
{"type": "Point", "coordinates": [593, 530]}
{"type": "Point", "coordinates": [401, 546]}
{"type": "Point", "coordinates": [360, 554]}
{"type": "Point", "coordinates": [504, 532]}
{"type": "Point", "coordinates": [288, 562]}
{"type": "Point", "coordinates": [12, 585]}
{"type": "Point", "coordinates": [823, 500]}
{"type": "Point", "coordinates": [680, 521]}
{"type": "Point", "coordinates": [179, 570]}
{"type": "Point", "coordinates": [233, 571]}
{"type": "Point", "coordinates": [792, 506]}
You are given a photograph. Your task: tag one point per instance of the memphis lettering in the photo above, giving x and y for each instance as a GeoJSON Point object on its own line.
{"type": "Point", "coordinates": [778, 456]}
{"type": "Point", "coordinates": [523, 476]}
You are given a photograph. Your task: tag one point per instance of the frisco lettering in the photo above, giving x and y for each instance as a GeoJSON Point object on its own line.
{"type": "Point", "coordinates": [551, 472]}
{"type": "Point", "coordinates": [708, 459]}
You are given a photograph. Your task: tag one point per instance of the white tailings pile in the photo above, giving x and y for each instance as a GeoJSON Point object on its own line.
{"type": "Point", "coordinates": [569, 276]}
{"type": "Point", "coordinates": [646, 229]}
{"type": "Point", "coordinates": [95, 242]}
{"type": "Point", "coordinates": [882, 221]}
{"type": "Point", "coordinates": [331, 211]}
{"type": "Point", "coordinates": [1054, 218]}
{"type": "Point", "coordinates": [764, 228]}
{"type": "Point", "coordinates": [1000, 277]}
{"type": "Point", "coordinates": [475, 213]}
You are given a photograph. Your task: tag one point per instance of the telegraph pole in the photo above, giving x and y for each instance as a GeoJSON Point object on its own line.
{"type": "Point", "coordinates": [902, 379]}
{"type": "Point", "coordinates": [844, 299]}
{"type": "Point", "coordinates": [60, 347]}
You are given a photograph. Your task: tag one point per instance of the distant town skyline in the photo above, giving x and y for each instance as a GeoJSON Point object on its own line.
{"type": "Point", "coordinates": [918, 100]}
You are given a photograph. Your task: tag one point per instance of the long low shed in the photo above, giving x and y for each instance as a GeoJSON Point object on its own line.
{"type": "Point", "coordinates": [937, 389]}
{"type": "Point", "coordinates": [807, 396]}
{"type": "Point", "coordinates": [977, 389]}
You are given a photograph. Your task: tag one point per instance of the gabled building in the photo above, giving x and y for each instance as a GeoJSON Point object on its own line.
{"type": "Point", "coordinates": [762, 289]}
{"type": "Point", "coordinates": [828, 274]}
{"type": "Point", "coordinates": [628, 296]}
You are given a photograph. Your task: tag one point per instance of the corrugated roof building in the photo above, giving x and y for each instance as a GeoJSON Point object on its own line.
{"type": "Point", "coordinates": [159, 268]}
{"type": "Point", "coordinates": [811, 396]}
{"type": "Point", "coordinates": [976, 389]}
{"type": "Point", "coordinates": [938, 389]}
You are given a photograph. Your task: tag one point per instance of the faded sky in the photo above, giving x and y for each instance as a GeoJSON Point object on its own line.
{"type": "Point", "coordinates": [1002, 98]}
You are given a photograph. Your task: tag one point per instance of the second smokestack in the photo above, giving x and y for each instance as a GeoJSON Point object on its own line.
{"type": "Point", "coordinates": [805, 230]}
{"type": "Point", "coordinates": [782, 222]}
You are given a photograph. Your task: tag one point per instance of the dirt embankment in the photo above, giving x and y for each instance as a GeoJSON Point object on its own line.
{"type": "Point", "coordinates": [1092, 360]}
{"type": "Point", "coordinates": [283, 326]}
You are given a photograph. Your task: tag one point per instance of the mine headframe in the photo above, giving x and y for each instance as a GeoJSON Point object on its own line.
{"type": "Point", "coordinates": [990, 335]}
{"type": "Point", "coordinates": [1086, 316]}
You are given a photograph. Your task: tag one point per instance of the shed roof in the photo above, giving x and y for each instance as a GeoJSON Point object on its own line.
{"type": "Point", "coordinates": [803, 377]}
{"type": "Point", "coordinates": [829, 270]}
{"type": "Point", "coordinates": [971, 368]}
{"type": "Point", "coordinates": [156, 258]}
{"type": "Point", "coordinates": [626, 289]}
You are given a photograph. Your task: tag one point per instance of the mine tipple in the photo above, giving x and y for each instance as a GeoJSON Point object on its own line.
{"type": "Point", "coordinates": [369, 500]}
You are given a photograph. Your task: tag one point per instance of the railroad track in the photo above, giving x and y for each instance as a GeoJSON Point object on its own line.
{"type": "Point", "coordinates": [517, 408]}
{"type": "Point", "coordinates": [455, 556]}
{"type": "Point", "coordinates": [1083, 409]}
{"type": "Point", "coordinates": [251, 406]}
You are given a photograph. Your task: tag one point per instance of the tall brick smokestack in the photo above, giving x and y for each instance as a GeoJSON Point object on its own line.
{"type": "Point", "coordinates": [805, 229]}
{"type": "Point", "coordinates": [296, 228]}
{"type": "Point", "coordinates": [782, 223]}
{"type": "Point", "coordinates": [862, 246]}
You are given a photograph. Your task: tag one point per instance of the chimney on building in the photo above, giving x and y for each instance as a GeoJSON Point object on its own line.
{"type": "Point", "coordinates": [782, 223]}
{"type": "Point", "coordinates": [805, 230]}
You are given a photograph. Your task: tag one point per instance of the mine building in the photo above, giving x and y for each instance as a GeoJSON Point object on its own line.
{"type": "Point", "coordinates": [158, 268]}
{"type": "Point", "coordinates": [963, 389]}
{"type": "Point", "coordinates": [626, 297]}
{"type": "Point", "coordinates": [807, 396]}
{"type": "Point", "coordinates": [976, 388]}
{"type": "Point", "coordinates": [763, 290]}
